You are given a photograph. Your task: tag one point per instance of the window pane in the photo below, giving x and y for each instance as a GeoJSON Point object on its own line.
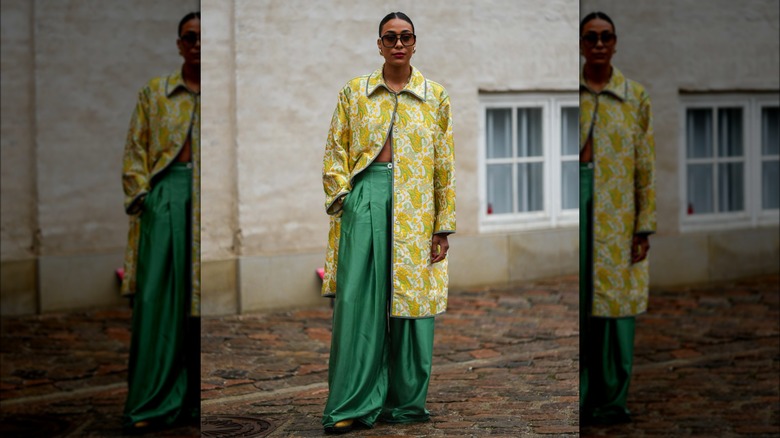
{"type": "Point", "coordinates": [700, 196]}
{"type": "Point", "coordinates": [770, 130]}
{"type": "Point", "coordinates": [499, 133]}
{"type": "Point", "coordinates": [499, 188]}
{"type": "Point", "coordinates": [699, 133]}
{"type": "Point", "coordinates": [529, 132]}
{"type": "Point", "coordinates": [570, 185]}
{"type": "Point", "coordinates": [730, 132]}
{"type": "Point", "coordinates": [570, 131]}
{"type": "Point", "coordinates": [770, 185]}
{"type": "Point", "coordinates": [530, 187]}
{"type": "Point", "coordinates": [730, 187]}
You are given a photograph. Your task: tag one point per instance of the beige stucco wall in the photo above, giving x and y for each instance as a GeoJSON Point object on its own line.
{"type": "Point", "coordinates": [71, 71]}
{"type": "Point", "coordinates": [17, 180]}
{"type": "Point", "coordinates": [280, 65]}
{"type": "Point", "coordinates": [673, 46]}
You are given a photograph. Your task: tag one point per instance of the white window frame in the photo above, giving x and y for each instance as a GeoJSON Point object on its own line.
{"type": "Point", "coordinates": [552, 215]}
{"type": "Point", "coordinates": [765, 216]}
{"type": "Point", "coordinates": [753, 215]}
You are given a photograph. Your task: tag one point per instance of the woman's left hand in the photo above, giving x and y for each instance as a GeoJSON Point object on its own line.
{"type": "Point", "coordinates": [439, 247]}
{"type": "Point", "coordinates": [640, 244]}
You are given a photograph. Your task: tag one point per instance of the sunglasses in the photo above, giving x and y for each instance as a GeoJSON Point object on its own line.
{"type": "Point", "coordinates": [190, 38]}
{"type": "Point", "coordinates": [592, 38]}
{"type": "Point", "coordinates": [407, 39]}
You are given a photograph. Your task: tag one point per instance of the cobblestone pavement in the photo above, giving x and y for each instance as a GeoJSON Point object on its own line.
{"type": "Point", "coordinates": [64, 375]}
{"type": "Point", "coordinates": [707, 364]}
{"type": "Point", "coordinates": [505, 364]}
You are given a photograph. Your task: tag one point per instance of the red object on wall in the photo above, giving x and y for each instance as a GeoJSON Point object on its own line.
{"type": "Point", "coordinates": [490, 208]}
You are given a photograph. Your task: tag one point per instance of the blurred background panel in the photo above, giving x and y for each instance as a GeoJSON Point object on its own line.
{"type": "Point", "coordinates": [712, 70]}
{"type": "Point", "coordinates": [71, 72]}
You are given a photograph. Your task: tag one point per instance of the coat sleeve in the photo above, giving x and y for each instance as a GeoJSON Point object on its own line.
{"type": "Point", "coordinates": [444, 171]}
{"type": "Point", "coordinates": [644, 175]}
{"type": "Point", "coordinates": [135, 164]}
{"type": "Point", "coordinates": [335, 164]}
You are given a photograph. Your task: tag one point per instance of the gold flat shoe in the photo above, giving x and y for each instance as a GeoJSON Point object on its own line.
{"type": "Point", "coordinates": [343, 423]}
{"type": "Point", "coordinates": [342, 426]}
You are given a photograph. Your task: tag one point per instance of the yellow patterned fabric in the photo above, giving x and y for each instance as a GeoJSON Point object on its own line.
{"type": "Point", "coordinates": [166, 113]}
{"type": "Point", "coordinates": [621, 123]}
{"type": "Point", "coordinates": [423, 180]}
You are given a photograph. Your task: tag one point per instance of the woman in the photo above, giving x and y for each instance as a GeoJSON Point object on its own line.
{"type": "Point", "coordinates": [388, 174]}
{"type": "Point", "coordinates": [617, 213]}
{"type": "Point", "coordinates": [160, 177]}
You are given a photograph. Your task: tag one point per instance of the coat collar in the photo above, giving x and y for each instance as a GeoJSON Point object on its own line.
{"type": "Point", "coordinates": [617, 85]}
{"type": "Point", "coordinates": [173, 82]}
{"type": "Point", "coordinates": [417, 85]}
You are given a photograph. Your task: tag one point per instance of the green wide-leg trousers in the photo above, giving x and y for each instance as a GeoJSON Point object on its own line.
{"type": "Point", "coordinates": [379, 366]}
{"type": "Point", "coordinates": [161, 359]}
{"type": "Point", "coordinates": [606, 344]}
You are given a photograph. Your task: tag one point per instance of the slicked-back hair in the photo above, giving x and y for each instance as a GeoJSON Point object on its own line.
{"type": "Point", "coordinates": [392, 15]}
{"type": "Point", "coordinates": [596, 15]}
{"type": "Point", "coordinates": [187, 18]}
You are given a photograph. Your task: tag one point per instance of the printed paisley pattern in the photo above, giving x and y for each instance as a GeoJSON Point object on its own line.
{"type": "Point", "coordinates": [165, 113]}
{"type": "Point", "coordinates": [623, 191]}
{"type": "Point", "coordinates": [423, 180]}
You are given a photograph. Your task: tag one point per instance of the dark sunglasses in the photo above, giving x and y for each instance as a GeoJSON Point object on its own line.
{"type": "Point", "coordinates": [407, 39]}
{"type": "Point", "coordinates": [190, 38]}
{"type": "Point", "coordinates": [592, 38]}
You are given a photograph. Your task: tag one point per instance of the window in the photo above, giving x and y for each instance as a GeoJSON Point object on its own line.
{"type": "Point", "coordinates": [528, 161]}
{"type": "Point", "coordinates": [730, 160]}
{"type": "Point", "coordinates": [770, 157]}
{"type": "Point", "coordinates": [715, 160]}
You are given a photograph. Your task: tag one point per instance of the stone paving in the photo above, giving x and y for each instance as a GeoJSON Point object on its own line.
{"type": "Point", "coordinates": [65, 374]}
{"type": "Point", "coordinates": [505, 364]}
{"type": "Point", "coordinates": [707, 364]}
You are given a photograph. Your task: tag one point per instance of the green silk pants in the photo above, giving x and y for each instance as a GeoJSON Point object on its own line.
{"type": "Point", "coordinates": [606, 344]}
{"type": "Point", "coordinates": [379, 367]}
{"type": "Point", "coordinates": [164, 347]}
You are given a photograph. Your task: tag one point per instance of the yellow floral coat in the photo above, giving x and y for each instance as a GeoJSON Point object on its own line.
{"type": "Point", "coordinates": [165, 114]}
{"type": "Point", "coordinates": [423, 180]}
{"type": "Point", "coordinates": [623, 191]}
